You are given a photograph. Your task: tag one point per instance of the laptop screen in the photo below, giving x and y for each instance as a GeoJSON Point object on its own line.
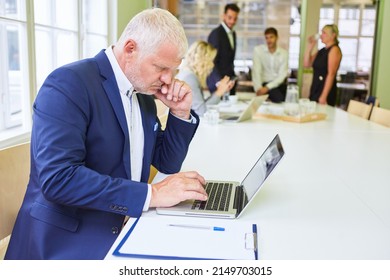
{"type": "Point", "coordinates": [263, 167]}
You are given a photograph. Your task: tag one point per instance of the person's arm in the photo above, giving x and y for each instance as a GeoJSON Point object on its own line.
{"type": "Point", "coordinates": [215, 40]}
{"type": "Point", "coordinates": [282, 71]}
{"type": "Point", "coordinates": [334, 59]}
{"type": "Point", "coordinates": [223, 86]}
{"type": "Point", "coordinates": [310, 54]}
{"type": "Point", "coordinates": [172, 144]}
{"type": "Point", "coordinates": [177, 136]}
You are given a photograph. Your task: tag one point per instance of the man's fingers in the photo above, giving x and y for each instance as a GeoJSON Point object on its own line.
{"type": "Point", "coordinates": [194, 185]}
{"type": "Point", "coordinates": [194, 175]}
{"type": "Point", "coordinates": [175, 91]}
{"type": "Point", "coordinates": [184, 90]}
{"type": "Point", "coordinates": [194, 195]}
{"type": "Point", "coordinates": [164, 89]}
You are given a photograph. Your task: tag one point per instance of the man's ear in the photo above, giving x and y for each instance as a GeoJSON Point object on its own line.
{"type": "Point", "coordinates": [130, 46]}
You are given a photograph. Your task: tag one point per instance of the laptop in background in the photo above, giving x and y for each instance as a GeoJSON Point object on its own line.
{"type": "Point", "coordinates": [229, 199]}
{"type": "Point", "coordinates": [247, 113]}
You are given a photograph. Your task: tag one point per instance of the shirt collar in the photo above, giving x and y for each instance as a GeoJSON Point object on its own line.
{"type": "Point", "coordinates": [123, 83]}
{"type": "Point", "coordinates": [227, 29]}
{"type": "Point", "coordinates": [277, 51]}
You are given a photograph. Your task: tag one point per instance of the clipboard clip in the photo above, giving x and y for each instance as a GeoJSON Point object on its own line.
{"type": "Point", "coordinates": [251, 241]}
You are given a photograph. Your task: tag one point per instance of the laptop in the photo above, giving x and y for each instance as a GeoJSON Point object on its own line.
{"type": "Point", "coordinates": [247, 113]}
{"type": "Point", "coordinates": [229, 199]}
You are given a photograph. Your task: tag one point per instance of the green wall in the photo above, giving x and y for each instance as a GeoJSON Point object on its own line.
{"type": "Point", "coordinates": [381, 73]}
{"type": "Point", "coordinates": [127, 9]}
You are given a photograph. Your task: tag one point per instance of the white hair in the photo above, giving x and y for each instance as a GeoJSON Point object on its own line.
{"type": "Point", "coordinates": [152, 27]}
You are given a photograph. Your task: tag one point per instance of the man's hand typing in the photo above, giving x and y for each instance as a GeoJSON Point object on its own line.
{"type": "Point", "coordinates": [177, 188]}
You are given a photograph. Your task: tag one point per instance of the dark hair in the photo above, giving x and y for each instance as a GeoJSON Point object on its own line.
{"type": "Point", "coordinates": [232, 6]}
{"type": "Point", "coordinates": [271, 30]}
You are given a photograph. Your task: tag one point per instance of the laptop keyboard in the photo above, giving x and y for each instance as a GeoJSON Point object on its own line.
{"type": "Point", "coordinates": [219, 197]}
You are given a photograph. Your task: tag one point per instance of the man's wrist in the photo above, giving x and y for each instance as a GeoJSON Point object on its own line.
{"type": "Point", "coordinates": [184, 115]}
{"type": "Point", "coordinates": [190, 119]}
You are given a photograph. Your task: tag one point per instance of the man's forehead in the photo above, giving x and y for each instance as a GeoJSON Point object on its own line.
{"type": "Point", "coordinates": [166, 61]}
{"type": "Point", "coordinates": [168, 54]}
{"type": "Point", "coordinates": [231, 13]}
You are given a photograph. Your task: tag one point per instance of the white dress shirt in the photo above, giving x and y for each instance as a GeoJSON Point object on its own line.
{"type": "Point", "coordinates": [133, 119]}
{"type": "Point", "coordinates": [271, 68]}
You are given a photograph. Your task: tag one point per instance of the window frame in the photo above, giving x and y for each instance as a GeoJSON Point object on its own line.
{"type": "Point", "coordinates": [357, 61]}
{"type": "Point", "coordinates": [21, 133]}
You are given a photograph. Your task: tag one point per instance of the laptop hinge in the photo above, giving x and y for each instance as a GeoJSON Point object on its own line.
{"type": "Point", "coordinates": [240, 199]}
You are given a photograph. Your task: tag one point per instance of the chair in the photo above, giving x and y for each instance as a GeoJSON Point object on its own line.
{"type": "Point", "coordinates": [372, 100]}
{"type": "Point", "coordinates": [14, 175]}
{"type": "Point", "coordinates": [359, 109]}
{"type": "Point", "coordinates": [381, 116]}
{"type": "Point", "coordinates": [162, 112]}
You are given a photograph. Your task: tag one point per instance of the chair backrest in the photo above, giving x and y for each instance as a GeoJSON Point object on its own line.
{"type": "Point", "coordinates": [359, 109]}
{"type": "Point", "coordinates": [14, 175]}
{"type": "Point", "coordinates": [381, 116]}
{"type": "Point", "coordinates": [162, 112]}
{"type": "Point", "coordinates": [372, 100]}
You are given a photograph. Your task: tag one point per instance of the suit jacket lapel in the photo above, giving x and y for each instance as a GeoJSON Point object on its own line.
{"type": "Point", "coordinates": [234, 40]}
{"type": "Point", "coordinates": [111, 88]}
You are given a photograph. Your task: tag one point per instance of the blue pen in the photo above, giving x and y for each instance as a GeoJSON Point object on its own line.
{"type": "Point", "coordinates": [199, 227]}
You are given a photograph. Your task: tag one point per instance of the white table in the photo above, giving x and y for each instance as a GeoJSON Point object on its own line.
{"type": "Point", "coordinates": [329, 198]}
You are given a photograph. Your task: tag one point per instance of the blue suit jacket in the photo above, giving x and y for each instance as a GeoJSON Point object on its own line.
{"type": "Point", "coordinates": [80, 188]}
{"type": "Point", "coordinates": [224, 61]}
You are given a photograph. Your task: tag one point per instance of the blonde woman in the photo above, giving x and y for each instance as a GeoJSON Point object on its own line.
{"type": "Point", "coordinates": [196, 67]}
{"type": "Point", "coordinates": [325, 63]}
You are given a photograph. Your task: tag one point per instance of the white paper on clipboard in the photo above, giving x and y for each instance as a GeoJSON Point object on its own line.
{"type": "Point", "coordinates": [156, 238]}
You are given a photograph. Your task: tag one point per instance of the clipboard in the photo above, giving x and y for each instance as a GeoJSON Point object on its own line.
{"type": "Point", "coordinates": [183, 238]}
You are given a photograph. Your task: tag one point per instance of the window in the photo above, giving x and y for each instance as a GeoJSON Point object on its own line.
{"type": "Point", "coordinates": [13, 67]}
{"type": "Point", "coordinates": [326, 15]}
{"type": "Point", "coordinates": [366, 39]}
{"type": "Point", "coordinates": [295, 31]}
{"type": "Point", "coordinates": [96, 26]}
{"type": "Point", "coordinates": [356, 34]}
{"type": "Point", "coordinates": [64, 31]}
{"type": "Point", "coordinates": [56, 31]}
{"type": "Point", "coordinates": [60, 30]}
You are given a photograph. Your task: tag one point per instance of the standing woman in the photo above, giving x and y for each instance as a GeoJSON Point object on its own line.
{"type": "Point", "coordinates": [325, 63]}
